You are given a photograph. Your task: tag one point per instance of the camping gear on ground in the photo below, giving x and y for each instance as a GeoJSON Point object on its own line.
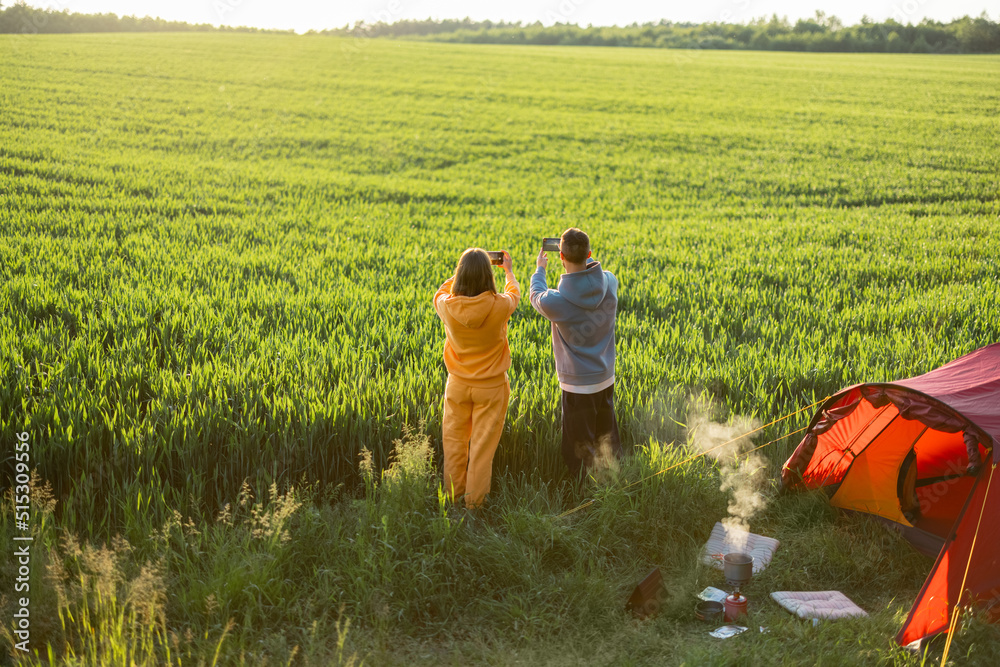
{"type": "Point", "coordinates": [818, 604]}
{"type": "Point", "coordinates": [713, 594]}
{"type": "Point", "coordinates": [737, 568]}
{"type": "Point", "coordinates": [647, 597]}
{"type": "Point", "coordinates": [920, 454]}
{"type": "Point", "coordinates": [727, 631]}
{"type": "Point", "coordinates": [736, 606]}
{"type": "Point", "coordinates": [709, 610]}
{"type": "Point", "coordinates": [728, 539]}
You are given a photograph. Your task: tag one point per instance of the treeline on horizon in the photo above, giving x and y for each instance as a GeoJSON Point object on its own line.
{"type": "Point", "coordinates": [820, 33]}
{"type": "Point", "coordinates": [21, 18]}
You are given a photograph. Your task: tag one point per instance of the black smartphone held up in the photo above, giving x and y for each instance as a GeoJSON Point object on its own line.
{"type": "Point", "coordinates": [550, 244]}
{"type": "Point", "coordinates": [496, 257]}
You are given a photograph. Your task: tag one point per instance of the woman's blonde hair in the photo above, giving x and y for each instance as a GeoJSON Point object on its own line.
{"type": "Point", "coordinates": [474, 274]}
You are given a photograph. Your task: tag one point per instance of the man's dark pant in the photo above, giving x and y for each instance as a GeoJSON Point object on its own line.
{"type": "Point", "coordinates": [589, 429]}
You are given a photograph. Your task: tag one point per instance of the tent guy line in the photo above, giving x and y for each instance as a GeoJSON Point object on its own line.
{"type": "Point", "coordinates": [918, 451]}
{"type": "Point", "coordinates": [965, 576]}
{"type": "Point", "coordinates": [918, 454]}
{"type": "Point", "coordinates": [709, 451]}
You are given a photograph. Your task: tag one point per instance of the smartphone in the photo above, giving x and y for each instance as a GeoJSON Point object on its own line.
{"type": "Point", "coordinates": [550, 244]}
{"type": "Point", "coordinates": [496, 257]}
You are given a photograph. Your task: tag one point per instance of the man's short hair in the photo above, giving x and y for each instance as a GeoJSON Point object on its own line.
{"type": "Point", "coordinates": [574, 245]}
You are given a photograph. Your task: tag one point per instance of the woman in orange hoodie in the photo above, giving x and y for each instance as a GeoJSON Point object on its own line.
{"type": "Point", "coordinates": [477, 356]}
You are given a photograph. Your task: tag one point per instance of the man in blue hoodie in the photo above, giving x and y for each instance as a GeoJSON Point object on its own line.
{"type": "Point", "coordinates": [582, 313]}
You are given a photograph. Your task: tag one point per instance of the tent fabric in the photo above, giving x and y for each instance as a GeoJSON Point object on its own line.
{"type": "Point", "coordinates": [727, 539]}
{"type": "Point", "coordinates": [931, 612]}
{"type": "Point", "coordinates": [861, 489]}
{"type": "Point", "coordinates": [862, 447]}
{"type": "Point", "coordinates": [937, 417]}
{"type": "Point", "coordinates": [818, 604]}
{"type": "Point", "coordinates": [824, 420]}
{"type": "Point", "coordinates": [961, 396]}
{"type": "Point", "coordinates": [970, 386]}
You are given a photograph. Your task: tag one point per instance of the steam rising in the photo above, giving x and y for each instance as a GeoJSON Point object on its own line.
{"type": "Point", "coordinates": [743, 476]}
{"type": "Point", "coordinates": [603, 464]}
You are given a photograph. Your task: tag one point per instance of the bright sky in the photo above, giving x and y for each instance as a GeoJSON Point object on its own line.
{"type": "Point", "coordinates": [303, 15]}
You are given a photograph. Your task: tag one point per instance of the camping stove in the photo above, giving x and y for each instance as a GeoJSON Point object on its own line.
{"type": "Point", "coordinates": [738, 568]}
{"type": "Point", "coordinates": [735, 606]}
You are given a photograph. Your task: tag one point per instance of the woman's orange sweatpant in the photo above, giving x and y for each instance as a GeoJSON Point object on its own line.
{"type": "Point", "coordinates": [473, 422]}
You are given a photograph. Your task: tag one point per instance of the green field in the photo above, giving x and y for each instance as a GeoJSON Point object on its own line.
{"type": "Point", "coordinates": [217, 256]}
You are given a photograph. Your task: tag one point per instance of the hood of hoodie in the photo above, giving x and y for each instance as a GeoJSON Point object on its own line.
{"type": "Point", "coordinates": [586, 288]}
{"type": "Point", "coordinates": [470, 311]}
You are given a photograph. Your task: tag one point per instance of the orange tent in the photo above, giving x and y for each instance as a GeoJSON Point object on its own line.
{"type": "Point", "coordinates": [920, 454]}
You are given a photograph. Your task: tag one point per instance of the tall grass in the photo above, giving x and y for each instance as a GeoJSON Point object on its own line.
{"type": "Point", "coordinates": [398, 575]}
{"type": "Point", "coordinates": [215, 297]}
{"type": "Point", "coordinates": [218, 275]}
